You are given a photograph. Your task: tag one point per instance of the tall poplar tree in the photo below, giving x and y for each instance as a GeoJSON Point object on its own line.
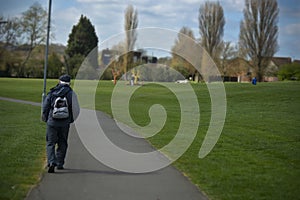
{"type": "Point", "coordinates": [211, 28]}
{"type": "Point", "coordinates": [130, 25]}
{"type": "Point", "coordinates": [259, 32]}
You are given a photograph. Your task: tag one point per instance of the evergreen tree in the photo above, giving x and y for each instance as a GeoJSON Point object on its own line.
{"type": "Point", "coordinates": [55, 66]}
{"type": "Point", "coordinates": [82, 40]}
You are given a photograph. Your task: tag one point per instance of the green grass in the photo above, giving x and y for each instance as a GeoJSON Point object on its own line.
{"type": "Point", "coordinates": [25, 89]}
{"type": "Point", "coordinates": [22, 145]}
{"type": "Point", "coordinates": [257, 155]}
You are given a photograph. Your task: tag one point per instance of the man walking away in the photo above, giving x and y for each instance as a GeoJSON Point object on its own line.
{"type": "Point", "coordinates": [60, 109]}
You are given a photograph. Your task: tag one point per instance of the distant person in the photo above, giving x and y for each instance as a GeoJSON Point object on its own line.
{"type": "Point", "coordinates": [254, 81]}
{"type": "Point", "coordinates": [132, 80]}
{"type": "Point", "coordinates": [60, 108]}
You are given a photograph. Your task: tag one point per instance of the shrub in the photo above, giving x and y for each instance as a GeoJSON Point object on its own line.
{"type": "Point", "coordinates": [289, 72]}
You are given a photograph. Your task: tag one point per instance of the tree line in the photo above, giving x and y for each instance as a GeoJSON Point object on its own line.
{"type": "Point", "coordinates": [22, 45]}
{"type": "Point", "coordinates": [22, 40]}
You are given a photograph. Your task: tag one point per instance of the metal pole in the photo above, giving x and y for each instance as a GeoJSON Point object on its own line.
{"type": "Point", "coordinates": [46, 51]}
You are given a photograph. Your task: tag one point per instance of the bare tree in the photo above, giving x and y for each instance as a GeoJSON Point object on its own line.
{"type": "Point", "coordinates": [211, 27]}
{"type": "Point", "coordinates": [9, 30]}
{"type": "Point", "coordinates": [185, 33]}
{"type": "Point", "coordinates": [9, 33]}
{"type": "Point", "coordinates": [130, 25]}
{"type": "Point", "coordinates": [33, 23]}
{"type": "Point", "coordinates": [228, 51]}
{"type": "Point", "coordinates": [179, 63]}
{"type": "Point", "coordinates": [259, 32]}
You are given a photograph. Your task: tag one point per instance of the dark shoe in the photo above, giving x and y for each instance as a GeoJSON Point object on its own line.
{"type": "Point", "coordinates": [60, 167]}
{"type": "Point", "coordinates": [54, 164]}
{"type": "Point", "coordinates": [51, 169]}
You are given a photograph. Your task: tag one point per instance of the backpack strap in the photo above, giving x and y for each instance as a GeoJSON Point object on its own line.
{"type": "Point", "coordinates": [59, 91]}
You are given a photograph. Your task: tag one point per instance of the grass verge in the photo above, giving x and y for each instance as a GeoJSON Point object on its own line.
{"type": "Point", "coordinates": [22, 145]}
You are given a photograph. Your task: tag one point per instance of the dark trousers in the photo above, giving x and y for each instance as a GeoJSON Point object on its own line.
{"type": "Point", "coordinates": [57, 136]}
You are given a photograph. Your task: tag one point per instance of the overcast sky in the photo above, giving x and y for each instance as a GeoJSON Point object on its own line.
{"type": "Point", "coordinates": [108, 17]}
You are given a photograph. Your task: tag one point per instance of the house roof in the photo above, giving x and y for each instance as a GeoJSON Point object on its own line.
{"type": "Point", "coordinates": [279, 61]}
{"type": "Point", "coordinates": [296, 61]}
{"type": "Point", "coordinates": [237, 66]}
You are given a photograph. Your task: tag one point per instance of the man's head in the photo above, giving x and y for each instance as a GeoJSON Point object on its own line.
{"type": "Point", "coordinates": [65, 79]}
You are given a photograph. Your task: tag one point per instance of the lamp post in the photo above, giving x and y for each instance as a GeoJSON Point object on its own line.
{"type": "Point", "coordinates": [46, 51]}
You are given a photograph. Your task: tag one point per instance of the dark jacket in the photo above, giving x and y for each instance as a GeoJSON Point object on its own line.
{"type": "Point", "coordinates": [59, 91]}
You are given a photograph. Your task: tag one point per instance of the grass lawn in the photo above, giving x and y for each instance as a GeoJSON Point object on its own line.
{"type": "Point", "coordinates": [256, 157]}
{"type": "Point", "coordinates": [22, 145]}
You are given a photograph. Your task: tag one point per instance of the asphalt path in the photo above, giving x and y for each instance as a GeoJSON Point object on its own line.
{"type": "Point", "coordinates": [85, 178]}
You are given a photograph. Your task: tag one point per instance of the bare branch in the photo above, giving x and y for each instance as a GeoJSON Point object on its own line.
{"type": "Point", "coordinates": [259, 32]}
{"type": "Point", "coordinates": [211, 27]}
{"type": "Point", "coordinates": [130, 25]}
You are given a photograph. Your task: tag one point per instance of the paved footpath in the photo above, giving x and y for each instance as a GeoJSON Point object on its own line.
{"type": "Point", "coordinates": [86, 178]}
